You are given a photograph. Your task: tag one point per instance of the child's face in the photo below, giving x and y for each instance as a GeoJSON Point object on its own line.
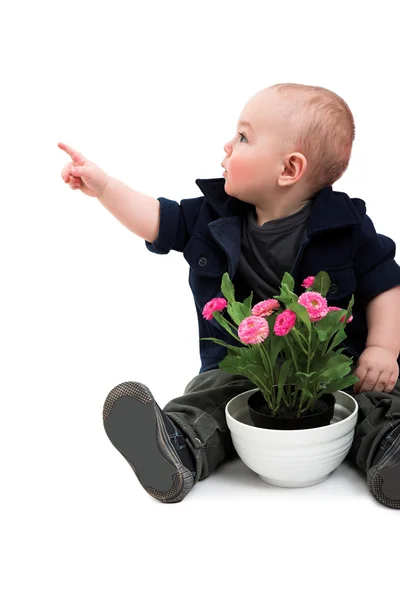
{"type": "Point", "coordinates": [255, 156]}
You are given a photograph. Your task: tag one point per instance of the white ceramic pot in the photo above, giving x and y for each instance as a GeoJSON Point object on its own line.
{"type": "Point", "coordinates": [292, 458]}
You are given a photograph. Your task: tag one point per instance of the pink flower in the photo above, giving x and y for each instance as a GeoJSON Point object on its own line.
{"type": "Point", "coordinates": [349, 320]}
{"type": "Point", "coordinates": [253, 330]}
{"type": "Point", "coordinates": [265, 308]}
{"type": "Point", "coordinates": [308, 282]}
{"type": "Point", "coordinates": [316, 305]}
{"type": "Point", "coordinates": [284, 322]}
{"type": "Point", "coordinates": [214, 304]}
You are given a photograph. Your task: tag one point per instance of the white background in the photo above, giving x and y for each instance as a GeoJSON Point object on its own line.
{"type": "Point", "coordinates": [150, 92]}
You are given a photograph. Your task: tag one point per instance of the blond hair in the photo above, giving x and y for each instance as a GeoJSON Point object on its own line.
{"type": "Point", "coordinates": [322, 129]}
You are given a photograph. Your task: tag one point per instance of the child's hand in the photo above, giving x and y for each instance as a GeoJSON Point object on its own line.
{"type": "Point", "coordinates": [82, 174]}
{"type": "Point", "coordinates": [377, 370]}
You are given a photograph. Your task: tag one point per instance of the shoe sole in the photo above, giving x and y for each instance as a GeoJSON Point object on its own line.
{"type": "Point", "coordinates": [134, 424]}
{"type": "Point", "coordinates": [384, 481]}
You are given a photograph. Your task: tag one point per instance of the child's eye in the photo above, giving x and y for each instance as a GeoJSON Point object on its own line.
{"type": "Point", "coordinates": [242, 134]}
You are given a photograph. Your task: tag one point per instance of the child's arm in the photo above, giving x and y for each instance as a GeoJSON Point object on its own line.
{"type": "Point", "coordinates": [378, 281]}
{"type": "Point", "coordinates": [383, 318]}
{"type": "Point", "coordinates": [138, 212]}
{"type": "Point", "coordinates": [377, 367]}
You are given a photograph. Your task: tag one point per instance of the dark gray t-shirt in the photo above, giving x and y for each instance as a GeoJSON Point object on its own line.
{"type": "Point", "coordinates": [267, 251]}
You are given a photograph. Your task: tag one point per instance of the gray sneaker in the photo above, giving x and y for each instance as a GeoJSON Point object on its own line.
{"type": "Point", "coordinates": [151, 443]}
{"type": "Point", "coordinates": [384, 476]}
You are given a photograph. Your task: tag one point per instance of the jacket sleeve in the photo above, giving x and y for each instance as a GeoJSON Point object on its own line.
{"type": "Point", "coordinates": [177, 222]}
{"type": "Point", "coordinates": [375, 268]}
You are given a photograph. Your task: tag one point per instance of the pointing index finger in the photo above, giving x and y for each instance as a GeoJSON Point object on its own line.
{"type": "Point", "coordinates": [76, 156]}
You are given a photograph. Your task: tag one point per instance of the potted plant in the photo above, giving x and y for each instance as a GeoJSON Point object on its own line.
{"type": "Point", "coordinates": [297, 425]}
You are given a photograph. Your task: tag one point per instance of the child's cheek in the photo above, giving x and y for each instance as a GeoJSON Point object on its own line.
{"type": "Point", "coordinates": [240, 171]}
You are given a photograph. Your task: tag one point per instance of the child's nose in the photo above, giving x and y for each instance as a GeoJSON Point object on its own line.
{"type": "Point", "coordinates": [228, 147]}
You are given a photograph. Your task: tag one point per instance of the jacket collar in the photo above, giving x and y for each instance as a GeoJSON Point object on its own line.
{"type": "Point", "coordinates": [331, 210]}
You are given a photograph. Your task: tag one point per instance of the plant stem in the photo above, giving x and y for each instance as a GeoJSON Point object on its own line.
{"type": "Point", "coordinates": [308, 370]}
{"type": "Point", "coordinates": [322, 391]}
{"type": "Point", "coordinates": [308, 353]}
{"type": "Point", "coordinates": [232, 334]}
{"type": "Point", "coordinates": [294, 357]}
{"type": "Point", "coordinates": [325, 347]}
{"type": "Point", "coordinates": [263, 389]}
{"type": "Point", "coordinates": [298, 337]}
{"type": "Point", "coordinates": [267, 363]}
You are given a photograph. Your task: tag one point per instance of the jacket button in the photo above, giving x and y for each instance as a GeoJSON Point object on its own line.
{"type": "Point", "coordinates": [202, 261]}
{"type": "Point", "coordinates": [333, 288]}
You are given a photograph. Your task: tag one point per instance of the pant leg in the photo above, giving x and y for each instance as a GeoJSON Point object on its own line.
{"type": "Point", "coordinates": [200, 414]}
{"type": "Point", "coordinates": [378, 414]}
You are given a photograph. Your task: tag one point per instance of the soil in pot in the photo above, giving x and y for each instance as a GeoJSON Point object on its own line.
{"type": "Point", "coordinates": [286, 418]}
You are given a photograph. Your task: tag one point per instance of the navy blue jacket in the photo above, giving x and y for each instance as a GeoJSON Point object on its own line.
{"type": "Point", "coordinates": [339, 239]}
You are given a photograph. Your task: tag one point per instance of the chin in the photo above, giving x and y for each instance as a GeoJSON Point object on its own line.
{"type": "Point", "coordinates": [228, 189]}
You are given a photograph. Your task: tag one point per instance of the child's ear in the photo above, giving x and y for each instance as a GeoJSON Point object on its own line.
{"type": "Point", "coordinates": [294, 167]}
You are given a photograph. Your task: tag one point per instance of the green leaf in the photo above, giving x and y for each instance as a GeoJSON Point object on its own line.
{"type": "Point", "coordinates": [319, 362]}
{"type": "Point", "coordinates": [321, 283]}
{"type": "Point", "coordinates": [341, 334]}
{"type": "Point", "coordinates": [250, 355]}
{"type": "Point", "coordinates": [288, 281]}
{"type": "Point", "coordinates": [350, 306]}
{"type": "Point", "coordinates": [234, 368]}
{"type": "Point", "coordinates": [306, 375]}
{"type": "Point", "coordinates": [277, 343]}
{"type": "Point", "coordinates": [248, 303]}
{"type": "Point", "coordinates": [339, 384]}
{"type": "Point", "coordinates": [227, 288]}
{"type": "Point", "coordinates": [237, 311]}
{"type": "Point", "coordinates": [331, 322]}
{"type": "Point", "coordinates": [286, 290]}
{"type": "Point", "coordinates": [337, 359]}
{"type": "Point", "coordinates": [338, 339]}
{"type": "Point", "coordinates": [332, 359]}
{"type": "Point", "coordinates": [231, 364]}
{"type": "Point", "coordinates": [322, 335]}
{"type": "Point", "coordinates": [247, 368]}
{"type": "Point", "coordinates": [221, 343]}
{"type": "Point", "coordinates": [335, 372]}
{"type": "Point", "coordinates": [220, 319]}
{"type": "Point", "coordinates": [315, 342]}
{"type": "Point", "coordinates": [283, 373]}
{"type": "Point", "coordinates": [302, 313]}
{"type": "Point", "coordinates": [284, 298]}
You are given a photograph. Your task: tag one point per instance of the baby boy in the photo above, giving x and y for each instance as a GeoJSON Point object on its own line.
{"type": "Point", "coordinates": [273, 211]}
